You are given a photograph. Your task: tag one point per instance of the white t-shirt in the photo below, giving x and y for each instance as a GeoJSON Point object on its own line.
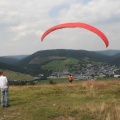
{"type": "Point", "coordinates": [3, 82]}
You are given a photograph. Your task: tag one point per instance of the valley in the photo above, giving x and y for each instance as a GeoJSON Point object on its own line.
{"type": "Point", "coordinates": [83, 65]}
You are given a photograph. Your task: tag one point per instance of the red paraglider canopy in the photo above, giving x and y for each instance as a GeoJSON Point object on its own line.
{"type": "Point", "coordinates": [80, 25]}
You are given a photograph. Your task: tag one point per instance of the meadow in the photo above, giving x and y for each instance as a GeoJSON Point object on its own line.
{"type": "Point", "coordinates": [81, 100]}
{"type": "Point", "coordinates": [60, 64]}
{"type": "Point", "coordinates": [17, 75]}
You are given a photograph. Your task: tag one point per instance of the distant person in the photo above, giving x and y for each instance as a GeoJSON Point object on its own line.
{"type": "Point", "coordinates": [70, 78]}
{"type": "Point", "coordinates": [4, 90]}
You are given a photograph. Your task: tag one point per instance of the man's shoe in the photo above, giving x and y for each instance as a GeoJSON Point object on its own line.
{"type": "Point", "coordinates": [7, 106]}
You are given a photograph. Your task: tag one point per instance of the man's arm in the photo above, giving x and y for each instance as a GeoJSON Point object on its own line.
{"type": "Point", "coordinates": [7, 82]}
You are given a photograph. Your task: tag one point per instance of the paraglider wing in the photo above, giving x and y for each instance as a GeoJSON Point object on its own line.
{"type": "Point", "coordinates": [80, 25]}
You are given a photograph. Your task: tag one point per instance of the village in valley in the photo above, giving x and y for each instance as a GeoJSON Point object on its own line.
{"type": "Point", "coordinates": [88, 72]}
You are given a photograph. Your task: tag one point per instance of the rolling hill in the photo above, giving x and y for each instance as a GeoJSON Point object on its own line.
{"type": "Point", "coordinates": [108, 52]}
{"type": "Point", "coordinates": [60, 59]}
{"type": "Point", "coordinates": [12, 59]}
{"type": "Point", "coordinates": [4, 66]}
{"type": "Point", "coordinates": [42, 57]}
{"type": "Point", "coordinates": [116, 59]}
{"type": "Point", "coordinates": [47, 60]}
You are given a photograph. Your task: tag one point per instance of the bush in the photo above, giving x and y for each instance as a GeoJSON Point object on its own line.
{"type": "Point", "coordinates": [52, 82]}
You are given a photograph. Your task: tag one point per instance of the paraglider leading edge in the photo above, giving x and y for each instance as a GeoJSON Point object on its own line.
{"type": "Point", "coordinates": [80, 25]}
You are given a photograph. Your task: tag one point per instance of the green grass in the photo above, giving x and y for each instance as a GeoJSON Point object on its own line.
{"type": "Point", "coordinates": [60, 64]}
{"type": "Point", "coordinates": [88, 61]}
{"type": "Point", "coordinates": [17, 76]}
{"type": "Point", "coordinates": [57, 81]}
{"type": "Point", "coordinates": [82, 100]}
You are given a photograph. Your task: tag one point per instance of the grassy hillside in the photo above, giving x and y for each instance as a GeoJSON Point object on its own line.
{"type": "Point", "coordinates": [60, 64]}
{"type": "Point", "coordinates": [88, 100]}
{"type": "Point", "coordinates": [17, 76]}
{"type": "Point", "coordinates": [65, 64]}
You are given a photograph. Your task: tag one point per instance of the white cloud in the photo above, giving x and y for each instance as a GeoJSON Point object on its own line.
{"type": "Point", "coordinates": [23, 22]}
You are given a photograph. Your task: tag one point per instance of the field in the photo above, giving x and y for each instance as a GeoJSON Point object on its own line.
{"type": "Point", "coordinates": [82, 100]}
{"type": "Point", "coordinates": [17, 76]}
{"type": "Point", "coordinates": [60, 64]}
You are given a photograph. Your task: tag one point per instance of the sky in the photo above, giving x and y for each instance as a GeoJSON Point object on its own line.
{"type": "Point", "coordinates": [22, 23]}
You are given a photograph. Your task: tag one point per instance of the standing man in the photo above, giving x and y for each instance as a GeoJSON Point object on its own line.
{"type": "Point", "coordinates": [4, 90]}
{"type": "Point", "coordinates": [70, 78]}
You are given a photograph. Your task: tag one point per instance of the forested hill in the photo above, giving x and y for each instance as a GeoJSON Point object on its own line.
{"type": "Point", "coordinates": [41, 57]}
{"type": "Point", "coordinates": [116, 59]}
{"type": "Point", "coordinates": [12, 60]}
{"type": "Point", "coordinates": [4, 66]}
{"type": "Point", "coordinates": [36, 62]}
{"type": "Point", "coordinates": [8, 60]}
{"type": "Point", "coordinates": [108, 52]}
